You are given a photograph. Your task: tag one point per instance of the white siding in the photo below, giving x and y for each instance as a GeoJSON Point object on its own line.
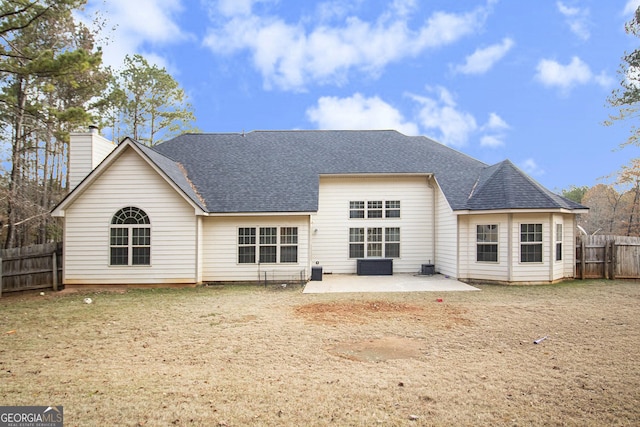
{"type": "Point", "coordinates": [509, 268]}
{"type": "Point", "coordinates": [446, 257]}
{"type": "Point", "coordinates": [130, 181]}
{"type": "Point", "coordinates": [86, 151]}
{"type": "Point", "coordinates": [330, 226]}
{"type": "Point", "coordinates": [220, 249]}
{"type": "Point", "coordinates": [470, 268]}
{"type": "Point", "coordinates": [569, 246]}
{"type": "Point", "coordinates": [532, 271]}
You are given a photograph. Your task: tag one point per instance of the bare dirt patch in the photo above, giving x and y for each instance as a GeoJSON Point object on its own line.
{"type": "Point", "coordinates": [435, 314]}
{"type": "Point", "coordinates": [378, 350]}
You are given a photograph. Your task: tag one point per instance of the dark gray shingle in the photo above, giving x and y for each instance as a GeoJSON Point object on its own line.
{"type": "Point", "coordinates": [278, 171]}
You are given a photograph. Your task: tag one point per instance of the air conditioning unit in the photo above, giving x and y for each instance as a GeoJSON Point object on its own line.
{"type": "Point", "coordinates": [428, 269]}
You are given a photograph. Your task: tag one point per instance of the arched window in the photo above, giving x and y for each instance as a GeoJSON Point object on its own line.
{"type": "Point", "coordinates": [130, 237]}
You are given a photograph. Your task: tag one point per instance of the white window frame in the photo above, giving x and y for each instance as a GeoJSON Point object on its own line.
{"type": "Point", "coordinates": [123, 227]}
{"type": "Point", "coordinates": [262, 239]}
{"type": "Point", "coordinates": [374, 209]}
{"type": "Point", "coordinates": [481, 241]}
{"type": "Point", "coordinates": [558, 245]}
{"type": "Point", "coordinates": [372, 242]}
{"type": "Point", "coordinates": [527, 243]}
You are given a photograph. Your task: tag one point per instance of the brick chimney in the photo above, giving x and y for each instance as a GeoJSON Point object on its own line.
{"type": "Point", "coordinates": [86, 151]}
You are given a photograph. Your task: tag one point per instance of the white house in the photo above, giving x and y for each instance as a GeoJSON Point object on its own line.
{"type": "Point", "coordinates": [275, 204]}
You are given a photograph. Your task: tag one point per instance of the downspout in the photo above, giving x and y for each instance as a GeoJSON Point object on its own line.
{"type": "Point", "coordinates": [552, 258]}
{"type": "Point", "coordinates": [198, 266]}
{"type": "Point", "coordinates": [309, 247]}
{"type": "Point", "coordinates": [510, 247]}
{"type": "Point", "coordinates": [433, 217]}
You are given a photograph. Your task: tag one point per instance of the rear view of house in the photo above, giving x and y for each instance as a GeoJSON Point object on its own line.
{"type": "Point", "coordinates": [242, 207]}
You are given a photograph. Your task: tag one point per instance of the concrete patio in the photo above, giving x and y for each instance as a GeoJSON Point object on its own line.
{"type": "Point", "coordinates": [396, 283]}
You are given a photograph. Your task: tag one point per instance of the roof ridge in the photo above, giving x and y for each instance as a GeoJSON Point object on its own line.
{"type": "Point", "coordinates": [477, 187]}
{"type": "Point", "coordinates": [545, 191]}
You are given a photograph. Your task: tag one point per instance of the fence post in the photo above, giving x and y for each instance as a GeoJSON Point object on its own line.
{"type": "Point", "coordinates": [54, 268]}
{"type": "Point", "coordinates": [614, 260]}
{"type": "Point", "coordinates": [582, 258]}
{"type": "Point", "coordinates": [607, 256]}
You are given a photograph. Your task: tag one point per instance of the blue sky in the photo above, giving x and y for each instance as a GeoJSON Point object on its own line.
{"type": "Point", "coordinates": [494, 79]}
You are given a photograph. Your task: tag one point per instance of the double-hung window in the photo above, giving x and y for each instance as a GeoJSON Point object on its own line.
{"type": "Point", "coordinates": [356, 209]}
{"type": "Point", "coordinates": [558, 242]}
{"type": "Point", "coordinates": [487, 243]}
{"type": "Point", "coordinates": [373, 242]}
{"type": "Point", "coordinates": [130, 237]}
{"type": "Point", "coordinates": [530, 242]}
{"type": "Point", "coordinates": [392, 209]}
{"type": "Point", "coordinates": [288, 244]}
{"type": "Point", "coordinates": [356, 242]}
{"type": "Point", "coordinates": [392, 242]}
{"type": "Point", "coordinates": [246, 245]}
{"type": "Point", "coordinates": [268, 245]}
{"type": "Point", "coordinates": [374, 209]}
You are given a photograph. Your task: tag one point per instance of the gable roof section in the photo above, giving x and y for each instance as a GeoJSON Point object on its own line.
{"type": "Point", "coordinates": [168, 169]}
{"type": "Point", "coordinates": [278, 171]}
{"type": "Point", "coordinates": [174, 172]}
{"type": "Point", "coordinates": [504, 186]}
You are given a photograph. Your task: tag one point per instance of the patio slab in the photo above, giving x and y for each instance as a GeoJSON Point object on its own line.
{"type": "Point", "coordinates": [396, 283]}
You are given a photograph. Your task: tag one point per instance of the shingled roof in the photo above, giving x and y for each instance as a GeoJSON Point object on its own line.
{"type": "Point", "coordinates": [504, 186]}
{"type": "Point", "coordinates": [278, 171]}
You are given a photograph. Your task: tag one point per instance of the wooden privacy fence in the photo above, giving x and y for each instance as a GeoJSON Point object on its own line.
{"type": "Point", "coordinates": [608, 257]}
{"type": "Point", "coordinates": [31, 267]}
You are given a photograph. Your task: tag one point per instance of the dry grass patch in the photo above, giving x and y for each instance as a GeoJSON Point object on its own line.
{"type": "Point", "coordinates": [236, 356]}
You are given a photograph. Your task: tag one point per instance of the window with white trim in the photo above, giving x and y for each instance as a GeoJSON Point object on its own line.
{"type": "Point", "coordinates": [558, 242]}
{"type": "Point", "coordinates": [374, 209]}
{"type": "Point", "coordinates": [288, 244]}
{"type": "Point", "coordinates": [530, 242]}
{"type": "Point", "coordinates": [373, 242]}
{"type": "Point", "coordinates": [130, 237]}
{"type": "Point", "coordinates": [392, 209]}
{"type": "Point", "coordinates": [267, 245]}
{"type": "Point", "coordinates": [392, 242]}
{"type": "Point", "coordinates": [487, 242]}
{"type": "Point", "coordinates": [356, 242]}
{"type": "Point", "coordinates": [356, 209]}
{"type": "Point", "coordinates": [246, 245]}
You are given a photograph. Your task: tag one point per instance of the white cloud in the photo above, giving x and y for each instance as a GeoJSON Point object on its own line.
{"type": "Point", "coordinates": [631, 7]}
{"type": "Point", "coordinates": [358, 112]}
{"type": "Point", "coordinates": [565, 77]}
{"type": "Point", "coordinates": [438, 115]}
{"type": "Point", "coordinates": [496, 129]}
{"type": "Point", "coordinates": [131, 26]}
{"type": "Point", "coordinates": [531, 167]}
{"type": "Point", "coordinates": [452, 125]}
{"type": "Point", "coordinates": [496, 122]}
{"type": "Point", "coordinates": [291, 56]}
{"type": "Point", "coordinates": [442, 115]}
{"type": "Point", "coordinates": [235, 7]}
{"type": "Point", "coordinates": [482, 60]}
{"type": "Point", "coordinates": [577, 19]}
{"type": "Point", "coordinates": [491, 141]}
